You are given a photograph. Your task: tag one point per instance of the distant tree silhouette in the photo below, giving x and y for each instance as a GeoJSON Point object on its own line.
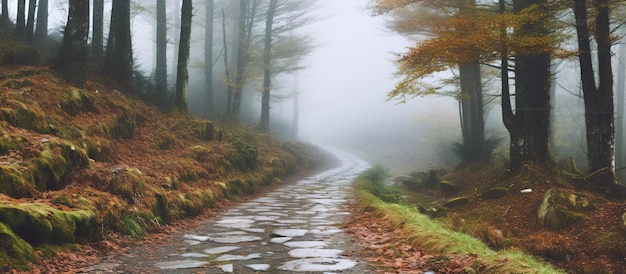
{"type": "Point", "coordinates": [41, 29]}
{"type": "Point", "coordinates": [182, 77]}
{"type": "Point", "coordinates": [73, 53]}
{"type": "Point", "coordinates": [118, 59]}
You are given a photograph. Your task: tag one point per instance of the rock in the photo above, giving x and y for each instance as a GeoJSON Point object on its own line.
{"type": "Point", "coordinates": [454, 202]}
{"type": "Point", "coordinates": [450, 187]}
{"type": "Point", "coordinates": [495, 193]}
{"type": "Point", "coordinates": [432, 212]}
{"type": "Point", "coordinates": [561, 208]}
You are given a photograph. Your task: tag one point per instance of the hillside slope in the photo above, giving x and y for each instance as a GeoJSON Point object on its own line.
{"type": "Point", "coordinates": [79, 163]}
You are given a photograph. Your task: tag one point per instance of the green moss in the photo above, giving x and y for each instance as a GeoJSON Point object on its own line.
{"type": "Point", "coordinates": [19, 115]}
{"type": "Point", "coordinates": [165, 141]}
{"type": "Point", "coordinates": [127, 183]}
{"type": "Point", "coordinates": [190, 203]}
{"type": "Point", "coordinates": [48, 170]}
{"type": "Point", "coordinates": [11, 142]}
{"type": "Point", "coordinates": [16, 183]}
{"type": "Point", "coordinates": [98, 149]}
{"type": "Point", "coordinates": [205, 131]}
{"type": "Point", "coordinates": [199, 152]}
{"type": "Point", "coordinates": [41, 224]}
{"type": "Point", "coordinates": [15, 253]}
{"type": "Point", "coordinates": [123, 126]}
{"type": "Point", "coordinates": [76, 100]}
{"type": "Point", "coordinates": [162, 207]}
{"type": "Point", "coordinates": [75, 156]}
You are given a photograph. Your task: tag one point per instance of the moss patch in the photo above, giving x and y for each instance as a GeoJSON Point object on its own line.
{"type": "Point", "coordinates": [16, 183]}
{"type": "Point", "coordinates": [14, 251]}
{"type": "Point", "coordinates": [41, 224]}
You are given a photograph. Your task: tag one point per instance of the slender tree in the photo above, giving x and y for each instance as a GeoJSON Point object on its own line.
{"type": "Point", "coordinates": [41, 29]}
{"type": "Point", "coordinates": [598, 96]}
{"type": "Point", "coordinates": [264, 124]}
{"type": "Point", "coordinates": [20, 24]}
{"type": "Point", "coordinates": [4, 17]}
{"type": "Point", "coordinates": [620, 138]}
{"type": "Point", "coordinates": [180, 98]}
{"type": "Point", "coordinates": [161, 54]}
{"type": "Point", "coordinates": [73, 52]}
{"type": "Point", "coordinates": [208, 53]}
{"type": "Point", "coordinates": [97, 40]}
{"type": "Point", "coordinates": [118, 59]}
{"type": "Point", "coordinates": [30, 23]}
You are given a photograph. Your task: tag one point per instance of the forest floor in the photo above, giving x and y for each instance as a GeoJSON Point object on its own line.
{"type": "Point", "coordinates": [595, 245]}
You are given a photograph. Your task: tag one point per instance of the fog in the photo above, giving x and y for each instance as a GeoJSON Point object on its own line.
{"type": "Point", "coordinates": [342, 91]}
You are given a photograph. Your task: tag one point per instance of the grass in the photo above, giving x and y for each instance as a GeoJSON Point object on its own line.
{"type": "Point", "coordinates": [436, 238]}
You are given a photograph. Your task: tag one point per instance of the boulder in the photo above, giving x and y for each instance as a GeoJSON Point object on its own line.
{"type": "Point", "coordinates": [561, 208]}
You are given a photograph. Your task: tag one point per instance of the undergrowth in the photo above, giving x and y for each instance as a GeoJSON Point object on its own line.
{"type": "Point", "coordinates": [435, 237]}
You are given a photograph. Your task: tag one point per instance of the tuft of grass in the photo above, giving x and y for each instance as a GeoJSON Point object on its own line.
{"type": "Point", "coordinates": [132, 226]}
{"type": "Point", "coordinates": [437, 239]}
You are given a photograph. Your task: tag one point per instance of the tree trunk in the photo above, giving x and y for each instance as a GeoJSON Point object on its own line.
{"type": "Point", "coordinates": [264, 124]}
{"type": "Point", "coordinates": [208, 56]}
{"type": "Point", "coordinates": [180, 99]}
{"type": "Point", "coordinates": [620, 145]}
{"type": "Point", "coordinates": [41, 30]}
{"type": "Point", "coordinates": [246, 23]}
{"type": "Point", "coordinates": [73, 52]}
{"type": "Point", "coordinates": [161, 55]}
{"type": "Point", "coordinates": [20, 24]}
{"type": "Point", "coordinates": [529, 126]}
{"type": "Point", "coordinates": [97, 40]}
{"type": "Point", "coordinates": [175, 26]}
{"type": "Point", "coordinates": [598, 99]}
{"type": "Point", "coordinates": [118, 60]}
{"type": "Point", "coordinates": [472, 122]}
{"type": "Point", "coordinates": [229, 88]}
{"type": "Point", "coordinates": [30, 23]}
{"type": "Point", "coordinates": [4, 18]}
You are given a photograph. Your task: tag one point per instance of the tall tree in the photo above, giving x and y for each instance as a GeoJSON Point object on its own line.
{"type": "Point", "coordinates": [20, 24]}
{"type": "Point", "coordinates": [620, 135]}
{"type": "Point", "coordinates": [30, 23]}
{"type": "Point", "coordinates": [208, 53]}
{"type": "Point", "coordinates": [598, 97]}
{"type": "Point", "coordinates": [423, 17]}
{"type": "Point", "coordinates": [180, 97]}
{"type": "Point", "coordinates": [41, 30]}
{"type": "Point", "coordinates": [4, 17]}
{"type": "Point", "coordinates": [264, 124]}
{"type": "Point", "coordinates": [529, 124]}
{"type": "Point", "coordinates": [97, 40]}
{"type": "Point", "coordinates": [161, 54]}
{"type": "Point", "coordinates": [73, 52]}
{"type": "Point", "coordinates": [118, 59]}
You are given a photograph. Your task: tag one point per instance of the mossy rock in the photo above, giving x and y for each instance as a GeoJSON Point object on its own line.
{"type": "Point", "coordinates": [76, 100]}
{"type": "Point", "coordinates": [98, 149]}
{"type": "Point", "coordinates": [15, 253]}
{"type": "Point", "coordinates": [123, 126]}
{"type": "Point", "coordinates": [11, 142]}
{"type": "Point", "coordinates": [433, 212]}
{"type": "Point", "coordinates": [495, 193]}
{"type": "Point", "coordinates": [19, 115]}
{"type": "Point", "coordinates": [48, 170]}
{"type": "Point", "coordinates": [41, 224]}
{"type": "Point", "coordinates": [562, 208]}
{"type": "Point", "coordinates": [205, 131]}
{"type": "Point", "coordinates": [17, 83]}
{"type": "Point", "coordinates": [199, 152]}
{"type": "Point", "coordinates": [455, 202]}
{"type": "Point", "coordinates": [165, 141]}
{"type": "Point", "coordinates": [127, 183]}
{"type": "Point", "coordinates": [75, 156]}
{"type": "Point", "coordinates": [162, 207]}
{"type": "Point", "coordinates": [16, 183]}
{"type": "Point", "coordinates": [449, 187]}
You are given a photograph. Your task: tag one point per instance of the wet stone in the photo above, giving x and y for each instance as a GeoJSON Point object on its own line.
{"type": "Point", "coordinates": [292, 229]}
{"type": "Point", "coordinates": [181, 264]}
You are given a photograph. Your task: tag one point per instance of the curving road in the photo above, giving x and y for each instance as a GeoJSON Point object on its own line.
{"type": "Point", "coordinates": [291, 230]}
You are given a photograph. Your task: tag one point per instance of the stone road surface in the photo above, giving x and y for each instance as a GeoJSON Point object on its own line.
{"type": "Point", "coordinates": [291, 230]}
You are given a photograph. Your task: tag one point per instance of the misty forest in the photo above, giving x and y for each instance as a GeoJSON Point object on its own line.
{"type": "Point", "coordinates": [315, 136]}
